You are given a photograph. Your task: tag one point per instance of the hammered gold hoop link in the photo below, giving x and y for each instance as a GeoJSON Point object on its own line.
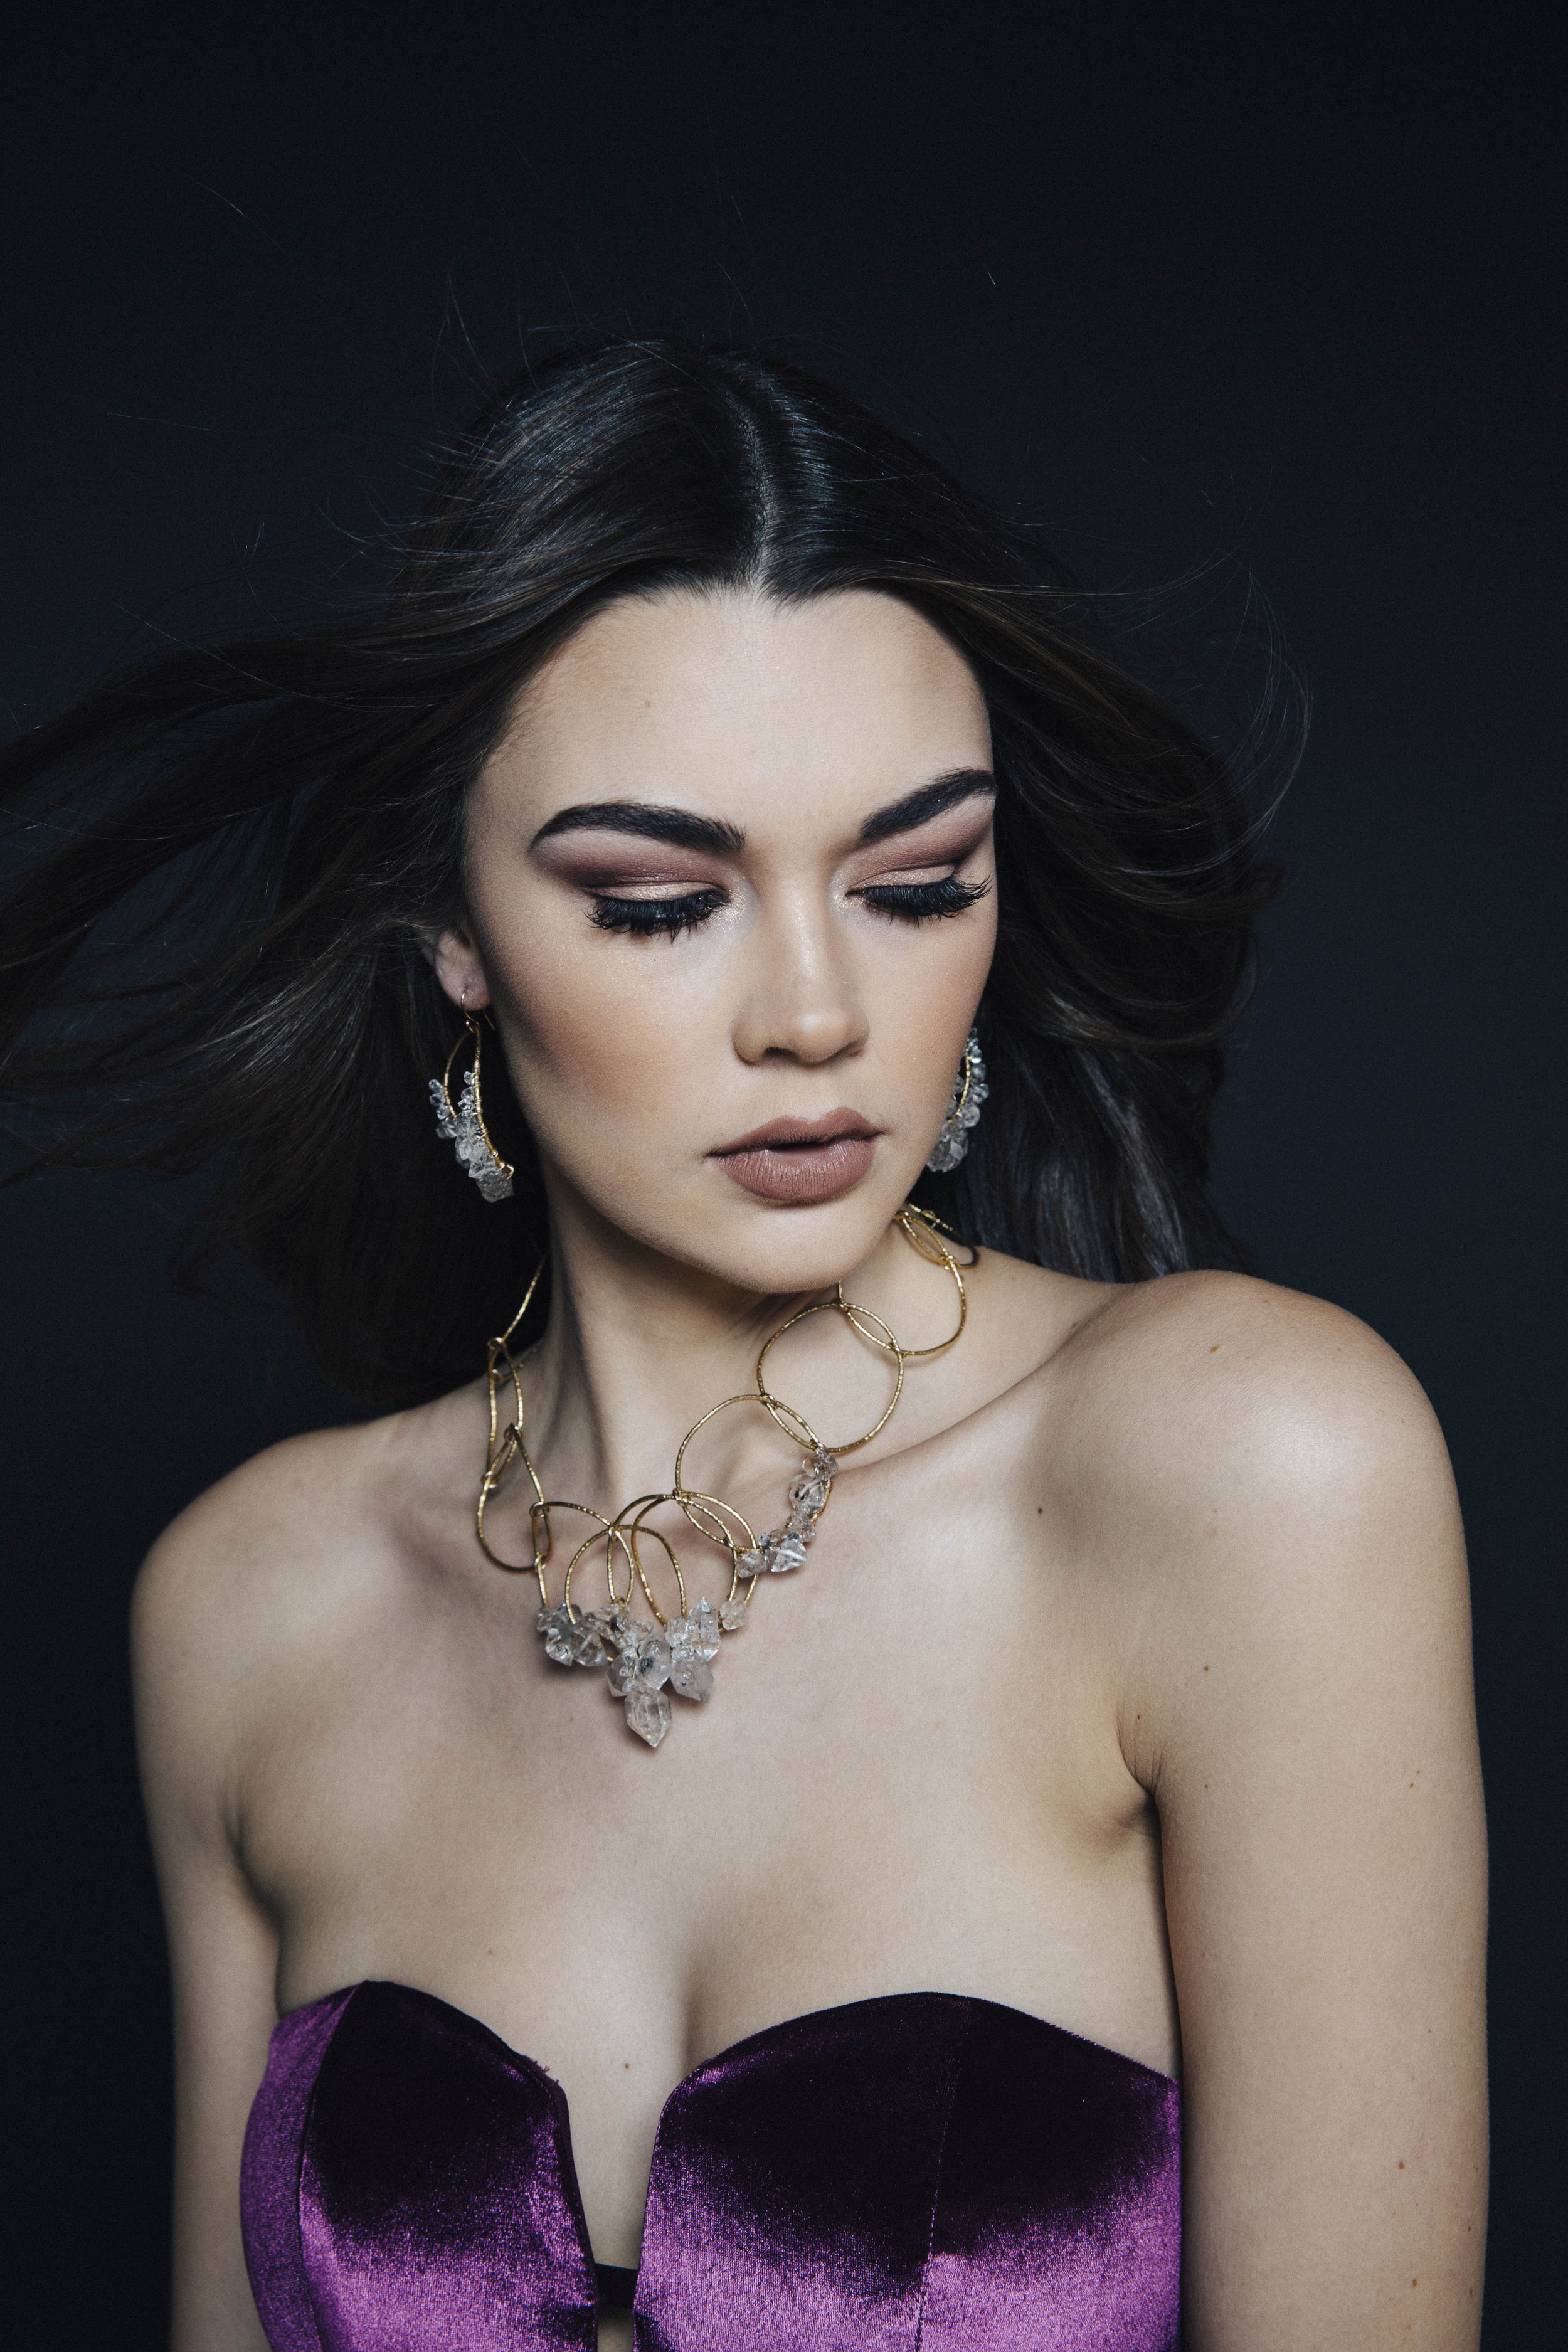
{"type": "Point", "coordinates": [609, 1534]}
{"type": "Point", "coordinates": [699, 1507]}
{"type": "Point", "coordinates": [783, 1415]}
{"type": "Point", "coordinates": [642, 1659]}
{"type": "Point", "coordinates": [793, 1424]}
{"type": "Point", "coordinates": [923, 1229]}
{"type": "Point", "coordinates": [636, 1530]}
{"type": "Point", "coordinates": [743, 1396]}
{"type": "Point", "coordinates": [935, 1251]}
{"type": "Point", "coordinates": [687, 1496]}
{"type": "Point", "coordinates": [505, 1447]}
{"type": "Point", "coordinates": [835, 1306]}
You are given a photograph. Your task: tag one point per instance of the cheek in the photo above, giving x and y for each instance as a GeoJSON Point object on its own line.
{"type": "Point", "coordinates": [922, 994]}
{"type": "Point", "coordinates": [600, 1023]}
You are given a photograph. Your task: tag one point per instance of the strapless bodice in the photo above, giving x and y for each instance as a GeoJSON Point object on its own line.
{"type": "Point", "coordinates": [921, 2173]}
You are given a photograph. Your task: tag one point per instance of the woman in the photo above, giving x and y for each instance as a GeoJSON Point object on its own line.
{"type": "Point", "coordinates": [1041, 1678]}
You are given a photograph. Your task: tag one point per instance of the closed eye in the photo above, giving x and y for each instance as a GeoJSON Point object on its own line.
{"type": "Point", "coordinates": [655, 918]}
{"type": "Point", "coordinates": [669, 917]}
{"type": "Point", "coordinates": [921, 902]}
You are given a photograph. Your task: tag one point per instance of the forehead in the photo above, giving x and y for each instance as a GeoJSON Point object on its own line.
{"type": "Point", "coordinates": [689, 696]}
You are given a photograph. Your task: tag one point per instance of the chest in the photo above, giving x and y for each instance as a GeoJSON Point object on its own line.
{"type": "Point", "coordinates": [907, 1778]}
{"type": "Point", "coordinates": [931, 1693]}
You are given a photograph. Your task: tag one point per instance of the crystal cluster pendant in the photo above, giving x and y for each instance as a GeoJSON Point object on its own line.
{"type": "Point", "coordinates": [644, 1664]}
{"type": "Point", "coordinates": [644, 1661]}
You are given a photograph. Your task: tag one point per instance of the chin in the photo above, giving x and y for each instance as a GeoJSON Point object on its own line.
{"type": "Point", "coordinates": [766, 1247]}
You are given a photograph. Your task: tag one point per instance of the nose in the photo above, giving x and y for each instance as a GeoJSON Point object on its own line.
{"type": "Point", "coordinates": [801, 1004]}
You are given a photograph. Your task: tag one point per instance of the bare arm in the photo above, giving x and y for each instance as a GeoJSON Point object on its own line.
{"type": "Point", "coordinates": [1301, 1705]}
{"type": "Point", "coordinates": [222, 1947]}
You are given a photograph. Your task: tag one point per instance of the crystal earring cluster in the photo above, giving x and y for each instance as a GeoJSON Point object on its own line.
{"type": "Point", "coordinates": [969, 1091]}
{"type": "Point", "coordinates": [462, 1123]}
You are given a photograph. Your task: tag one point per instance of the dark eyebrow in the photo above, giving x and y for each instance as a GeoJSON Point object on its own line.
{"type": "Point", "coordinates": [683, 830]}
{"type": "Point", "coordinates": [931, 800]}
{"type": "Point", "coordinates": [678, 828]}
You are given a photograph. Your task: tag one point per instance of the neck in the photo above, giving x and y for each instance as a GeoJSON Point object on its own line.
{"type": "Point", "coordinates": [638, 1347]}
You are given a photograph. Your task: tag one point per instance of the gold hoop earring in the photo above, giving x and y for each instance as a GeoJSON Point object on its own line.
{"type": "Point", "coordinates": [463, 1123]}
{"type": "Point", "coordinates": [969, 1092]}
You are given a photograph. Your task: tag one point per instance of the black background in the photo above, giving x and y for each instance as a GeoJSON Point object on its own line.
{"type": "Point", "coordinates": [1276, 290]}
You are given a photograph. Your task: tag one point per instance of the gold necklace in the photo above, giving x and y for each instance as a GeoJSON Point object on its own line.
{"type": "Point", "coordinates": [646, 1663]}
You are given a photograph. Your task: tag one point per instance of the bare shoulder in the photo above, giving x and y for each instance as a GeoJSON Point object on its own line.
{"type": "Point", "coordinates": [1256, 1475]}
{"type": "Point", "coordinates": [283, 1507]}
{"type": "Point", "coordinates": [289, 1550]}
{"type": "Point", "coordinates": [1264, 1483]}
{"type": "Point", "coordinates": [1203, 1385]}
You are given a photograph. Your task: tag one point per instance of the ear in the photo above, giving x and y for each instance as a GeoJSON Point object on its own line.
{"type": "Point", "coordinates": [455, 961]}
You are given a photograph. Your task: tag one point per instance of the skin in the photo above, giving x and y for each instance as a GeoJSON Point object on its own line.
{"type": "Point", "coordinates": [1128, 1681]}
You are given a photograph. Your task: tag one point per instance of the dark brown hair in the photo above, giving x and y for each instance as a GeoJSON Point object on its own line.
{"type": "Point", "coordinates": [214, 958]}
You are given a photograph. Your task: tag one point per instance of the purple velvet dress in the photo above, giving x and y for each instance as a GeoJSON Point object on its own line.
{"type": "Point", "coordinates": [924, 2173]}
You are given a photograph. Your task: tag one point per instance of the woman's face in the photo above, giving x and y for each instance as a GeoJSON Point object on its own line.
{"type": "Point", "coordinates": [729, 874]}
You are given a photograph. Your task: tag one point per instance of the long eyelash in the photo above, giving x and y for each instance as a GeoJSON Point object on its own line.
{"type": "Point", "coordinates": [647, 917]}
{"type": "Point", "coordinates": [920, 902]}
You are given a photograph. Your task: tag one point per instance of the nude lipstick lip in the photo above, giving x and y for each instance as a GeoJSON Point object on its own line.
{"type": "Point", "coordinates": [801, 1160]}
